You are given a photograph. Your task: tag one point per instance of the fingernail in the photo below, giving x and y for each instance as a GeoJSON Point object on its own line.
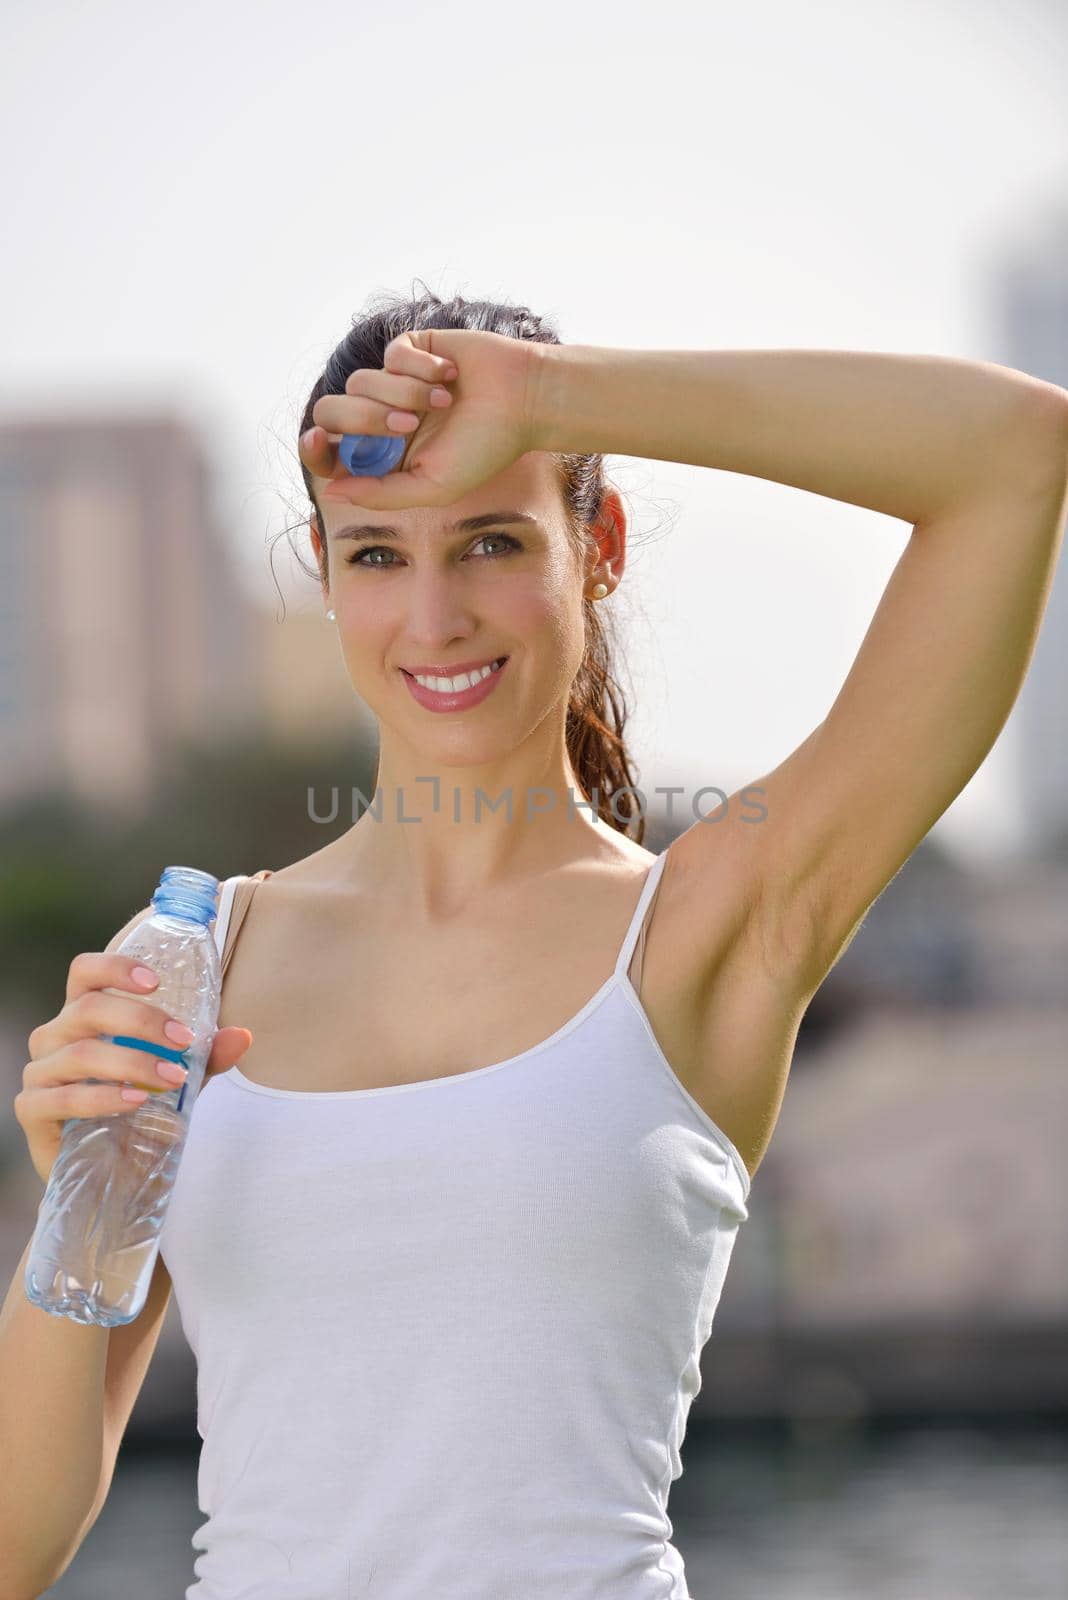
{"type": "Point", "coordinates": [178, 1032]}
{"type": "Point", "coordinates": [171, 1072]}
{"type": "Point", "coordinates": [450, 373]}
{"type": "Point", "coordinates": [440, 397]}
{"type": "Point", "coordinates": [143, 976]}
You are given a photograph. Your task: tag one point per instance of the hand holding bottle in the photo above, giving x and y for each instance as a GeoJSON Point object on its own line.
{"type": "Point", "coordinates": [66, 1053]}
{"type": "Point", "coordinates": [486, 423]}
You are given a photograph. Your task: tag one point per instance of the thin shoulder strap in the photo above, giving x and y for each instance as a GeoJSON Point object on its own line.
{"type": "Point", "coordinates": [235, 897]}
{"type": "Point", "coordinates": [222, 912]}
{"type": "Point", "coordinates": [639, 954]}
{"type": "Point", "coordinates": [639, 920]}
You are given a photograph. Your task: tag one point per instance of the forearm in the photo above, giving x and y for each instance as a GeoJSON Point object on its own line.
{"type": "Point", "coordinates": [901, 434]}
{"type": "Point", "coordinates": [52, 1374]}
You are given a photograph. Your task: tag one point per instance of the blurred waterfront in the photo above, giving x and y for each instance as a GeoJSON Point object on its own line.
{"type": "Point", "coordinates": [955, 1513]}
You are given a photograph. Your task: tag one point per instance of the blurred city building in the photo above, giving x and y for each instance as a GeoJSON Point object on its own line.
{"type": "Point", "coordinates": [124, 626]}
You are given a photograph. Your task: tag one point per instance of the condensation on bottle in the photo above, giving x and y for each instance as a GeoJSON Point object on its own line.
{"type": "Point", "coordinates": [98, 1227]}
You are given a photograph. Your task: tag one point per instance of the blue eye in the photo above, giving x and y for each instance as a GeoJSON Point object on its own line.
{"type": "Point", "coordinates": [356, 559]}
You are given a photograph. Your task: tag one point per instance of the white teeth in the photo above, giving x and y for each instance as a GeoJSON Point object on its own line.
{"type": "Point", "coordinates": [454, 685]}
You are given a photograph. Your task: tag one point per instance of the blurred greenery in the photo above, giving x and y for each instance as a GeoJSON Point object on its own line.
{"type": "Point", "coordinates": [72, 875]}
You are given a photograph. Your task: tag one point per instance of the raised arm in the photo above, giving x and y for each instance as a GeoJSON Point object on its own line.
{"type": "Point", "coordinates": [975, 456]}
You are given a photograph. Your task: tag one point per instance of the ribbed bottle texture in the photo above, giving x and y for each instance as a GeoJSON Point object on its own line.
{"type": "Point", "coordinates": [97, 1236]}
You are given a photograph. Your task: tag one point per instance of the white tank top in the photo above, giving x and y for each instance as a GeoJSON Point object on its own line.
{"type": "Point", "coordinates": [448, 1333]}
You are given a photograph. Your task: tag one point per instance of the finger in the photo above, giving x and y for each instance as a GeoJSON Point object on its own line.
{"type": "Point", "coordinates": [229, 1046]}
{"type": "Point", "coordinates": [100, 1012]}
{"type": "Point", "coordinates": [95, 1058]}
{"type": "Point", "coordinates": [344, 413]}
{"type": "Point", "coordinates": [404, 355]}
{"type": "Point", "coordinates": [398, 391]}
{"type": "Point", "coordinates": [318, 452]}
{"type": "Point", "coordinates": [103, 969]}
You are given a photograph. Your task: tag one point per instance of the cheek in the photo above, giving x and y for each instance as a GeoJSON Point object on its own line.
{"type": "Point", "coordinates": [357, 604]}
{"type": "Point", "coordinates": [528, 606]}
{"type": "Point", "coordinates": [550, 605]}
{"type": "Point", "coordinates": [556, 627]}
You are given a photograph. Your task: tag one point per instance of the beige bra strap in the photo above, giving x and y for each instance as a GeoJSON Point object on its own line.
{"type": "Point", "coordinates": [638, 958]}
{"type": "Point", "coordinates": [238, 911]}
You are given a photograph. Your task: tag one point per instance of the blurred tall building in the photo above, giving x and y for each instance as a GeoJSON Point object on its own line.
{"type": "Point", "coordinates": [1032, 304]}
{"type": "Point", "coordinates": [122, 623]}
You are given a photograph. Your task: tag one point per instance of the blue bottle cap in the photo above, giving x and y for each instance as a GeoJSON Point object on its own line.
{"type": "Point", "coordinates": [370, 455]}
{"type": "Point", "coordinates": [187, 892]}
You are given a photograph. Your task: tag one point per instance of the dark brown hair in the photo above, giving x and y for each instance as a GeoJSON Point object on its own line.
{"type": "Point", "coordinates": [596, 713]}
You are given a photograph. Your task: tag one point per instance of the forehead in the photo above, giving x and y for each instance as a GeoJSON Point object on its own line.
{"type": "Point", "coordinates": [529, 484]}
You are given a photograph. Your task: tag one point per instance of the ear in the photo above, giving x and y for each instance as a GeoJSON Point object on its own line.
{"type": "Point", "coordinates": [607, 554]}
{"type": "Point", "coordinates": [319, 547]}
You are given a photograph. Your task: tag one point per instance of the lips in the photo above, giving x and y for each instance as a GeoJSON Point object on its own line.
{"type": "Point", "coordinates": [461, 699]}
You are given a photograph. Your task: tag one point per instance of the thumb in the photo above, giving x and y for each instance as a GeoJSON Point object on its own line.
{"type": "Point", "coordinates": [229, 1046]}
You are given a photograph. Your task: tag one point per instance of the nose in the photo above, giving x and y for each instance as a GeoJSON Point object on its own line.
{"type": "Point", "coordinates": [437, 615]}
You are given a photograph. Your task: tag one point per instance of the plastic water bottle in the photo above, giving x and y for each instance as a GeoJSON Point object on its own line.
{"type": "Point", "coordinates": [97, 1236]}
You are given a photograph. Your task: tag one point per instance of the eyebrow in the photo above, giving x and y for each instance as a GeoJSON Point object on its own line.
{"type": "Point", "coordinates": [381, 530]}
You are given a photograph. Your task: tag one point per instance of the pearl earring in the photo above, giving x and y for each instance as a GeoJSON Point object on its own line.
{"type": "Point", "coordinates": [331, 616]}
{"type": "Point", "coordinates": [600, 590]}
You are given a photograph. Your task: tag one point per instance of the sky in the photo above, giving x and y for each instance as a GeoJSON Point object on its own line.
{"type": "Point", "coordinates": [199, 199]}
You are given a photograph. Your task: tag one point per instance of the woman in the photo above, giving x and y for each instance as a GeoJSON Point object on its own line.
{"type": "Point", "coordinates": [448, 1251]}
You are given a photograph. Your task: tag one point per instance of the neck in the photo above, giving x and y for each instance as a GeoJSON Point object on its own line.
{"type": "Point", "coordinates": [439, 838]}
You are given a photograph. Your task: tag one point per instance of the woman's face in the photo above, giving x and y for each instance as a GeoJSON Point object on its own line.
{"type": "Point", "coordinates": [435, 593]}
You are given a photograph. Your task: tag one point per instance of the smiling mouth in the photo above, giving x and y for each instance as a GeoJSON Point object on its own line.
{"type": "Point", "coordinates": [449, 685]}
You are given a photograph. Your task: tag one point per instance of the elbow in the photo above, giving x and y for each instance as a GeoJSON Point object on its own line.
{"type": "Point", "coordinates": [1045, 428]}
{"type": "Point", "coordinates": [1031, 457]}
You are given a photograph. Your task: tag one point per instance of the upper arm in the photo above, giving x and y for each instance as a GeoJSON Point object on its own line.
{"type": "Point", "coordinates": [930, 689]}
